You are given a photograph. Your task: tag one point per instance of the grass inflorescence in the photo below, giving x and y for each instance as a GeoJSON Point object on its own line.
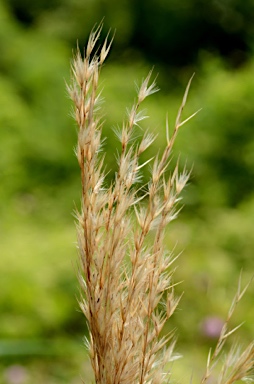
{"type": "Point", "coordinates": [127, 278]}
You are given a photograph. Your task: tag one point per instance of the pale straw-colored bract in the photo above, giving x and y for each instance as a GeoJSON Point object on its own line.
{"type": "Point", "coordinates": [124, 277]}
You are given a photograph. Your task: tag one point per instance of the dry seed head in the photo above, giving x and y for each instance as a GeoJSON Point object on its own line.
{"type": "Point", "coordinates": [78, 69]}
{"type": "Point", "coordinates": [145, 89]}
{"type": "Point", "coordinates": [93, 38]}
{"type": "Point", "coordinates": [181, 181]}
{"type": "Point", "coordinates": [146, 141]}
{"type": "Point", "coordinates": [105, 48]}
{"type": "Point", "coordinates": [123, 276]}
{"type": "Point", "coordinates": [135, 117]}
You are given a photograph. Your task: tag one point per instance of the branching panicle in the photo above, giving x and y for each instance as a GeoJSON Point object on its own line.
{"type": "Point", "coordinates": [123, 277]}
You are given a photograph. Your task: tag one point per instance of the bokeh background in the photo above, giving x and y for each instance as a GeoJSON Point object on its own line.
{"type": "Point", "coordinates": [41, 327]}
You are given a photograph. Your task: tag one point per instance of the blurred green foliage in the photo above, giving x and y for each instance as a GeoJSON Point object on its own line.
{"type": "Point", "coordinates": [40, 176]}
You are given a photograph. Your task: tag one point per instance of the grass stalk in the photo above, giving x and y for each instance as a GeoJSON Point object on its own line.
{"type": "Point", "coordinates": [126, 279]}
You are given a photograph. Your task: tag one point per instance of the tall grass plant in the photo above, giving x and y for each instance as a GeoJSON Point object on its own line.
{"type": "Point", "coordinates": [125, 272]}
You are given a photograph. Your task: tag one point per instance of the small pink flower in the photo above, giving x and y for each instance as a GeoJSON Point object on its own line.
{"type": "Point", "coordinates": [212, 326]}
{"type": "Point", "coordinates": [16, 374]}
